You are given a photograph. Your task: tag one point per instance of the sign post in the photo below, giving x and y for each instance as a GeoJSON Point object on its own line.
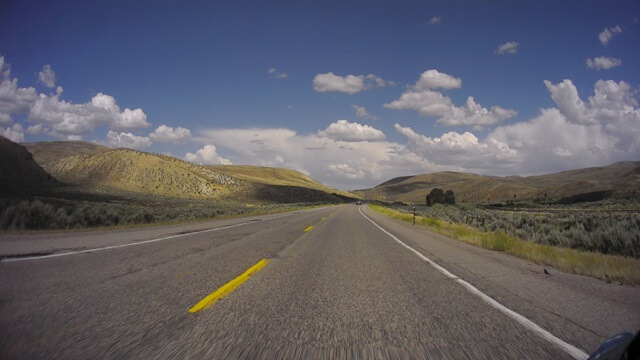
{"type": "Point", "coordinates": [414, 215]}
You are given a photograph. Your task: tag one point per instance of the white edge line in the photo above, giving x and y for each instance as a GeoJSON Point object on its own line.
{"type": "Point", "coordinates": [568, 348]}
{"type": "Point", "coordinates": [137, 243]}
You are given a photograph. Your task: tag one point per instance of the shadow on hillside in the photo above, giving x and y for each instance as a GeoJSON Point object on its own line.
{"type": "Point", "coordinates": [284, 194]}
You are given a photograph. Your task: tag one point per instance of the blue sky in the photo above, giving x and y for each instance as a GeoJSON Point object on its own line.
{"type": "Point", "coordinates": [279, 83]}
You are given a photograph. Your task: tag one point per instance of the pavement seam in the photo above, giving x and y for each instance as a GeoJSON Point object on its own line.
{"type": "Point", "coordinates": [568, 348]}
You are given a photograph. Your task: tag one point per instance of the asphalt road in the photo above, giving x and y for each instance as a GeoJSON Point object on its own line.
{"type": "Point", "coordinates": [336, 286]}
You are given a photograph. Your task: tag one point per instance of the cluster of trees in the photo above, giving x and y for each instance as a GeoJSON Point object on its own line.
{"type": "Point", "coordinates": [439, 196]}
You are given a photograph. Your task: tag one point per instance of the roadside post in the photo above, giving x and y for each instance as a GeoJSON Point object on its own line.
{"type": "Point", "coordinates": [414, 215]}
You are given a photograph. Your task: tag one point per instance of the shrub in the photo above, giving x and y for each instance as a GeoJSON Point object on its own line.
{"type": "Point", "coordinates": [605, 232]}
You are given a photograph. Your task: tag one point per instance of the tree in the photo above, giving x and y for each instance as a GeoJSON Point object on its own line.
{"type": "Point", "coordinates": [436, 196]}
{"type": "Point", "coordinates": [449, 198]}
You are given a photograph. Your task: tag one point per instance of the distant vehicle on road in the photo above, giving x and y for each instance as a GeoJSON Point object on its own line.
{"type": "Point", "coordinates": [358, 202]}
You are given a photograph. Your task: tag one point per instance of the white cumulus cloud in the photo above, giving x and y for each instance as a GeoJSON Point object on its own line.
{"type": "Point", "coordinates": [428, 102]}
{"type": "Point", "coordinates": [63, 119]}
{"type": "Point", "coordinates": [433, 79]}
{"type": "Point", "coordinates": [127, 140]}
{"type": "Point", "coordinates": [608, 33]}
{"type": "Point", "coordinates": [464, 150]}
{"type": "Point", "coordinates": [14, 133]}
{"type": "Point", "coordinates": [349, 84]}
{"type": "Point", "coordinates": [612, 102]}
{"type": "Point", "coordinates": [362, 112]}
{"type": "Point", "coordinates": [168, 134]}
{"type": "Point", "coordinates": [475, 115]}
{"type": "Point", "coordinates": [603, 63]}
{"type": "Point", "coordinates": [343, 130]}
{"type": "Point", "coordinates": [510, 47]}
{"type": "Point", "coordinates": [36, 129]}
{"type": "Point", "coordinates": [208, 155]}
{"type": "Point", "coordinates": [47, 76]}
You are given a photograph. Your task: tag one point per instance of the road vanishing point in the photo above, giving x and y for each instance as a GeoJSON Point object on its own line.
{"type": "Point", "coordinates": [330, 282]}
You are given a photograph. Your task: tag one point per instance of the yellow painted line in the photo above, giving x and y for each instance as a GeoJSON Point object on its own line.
{"type": "Point", "coordinates": [308, 229]}
{"type": "Point", "coordinates": [227, 288]}
{"type": "Point", "coordinates": [322, 219]}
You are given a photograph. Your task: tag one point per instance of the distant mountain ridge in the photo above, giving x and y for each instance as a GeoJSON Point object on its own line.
{"type": "Point", "coordinates": [618, 177]}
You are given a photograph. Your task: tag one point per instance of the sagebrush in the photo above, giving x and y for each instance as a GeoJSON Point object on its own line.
{"type": "Point", "coordinates": [606, 232]}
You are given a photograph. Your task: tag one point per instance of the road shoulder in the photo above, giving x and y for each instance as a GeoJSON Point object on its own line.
{"type": "Point", "coordinates": [593, 310]}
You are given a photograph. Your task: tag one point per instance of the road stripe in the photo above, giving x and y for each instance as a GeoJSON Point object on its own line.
{"type": "Point", "coordinates": [308, 229]}
{"type": "Point", "coordinates": [139, 242]}
{"type": "Point", "coordinates": [568, 348]}
{"type": "Point", "coordinates": [227, 288]}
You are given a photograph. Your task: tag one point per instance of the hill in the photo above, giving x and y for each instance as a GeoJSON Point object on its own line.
{"type": "Point", "coordinates": [274, 176]}
{"type": "Point", "coordinates": [135, 171]}
{"type": "Point", "coordinates": [94, 167]}
{"type": "Point", "coordinates": [18, 170]}
{"type": "Point", "coordinates": [618, 177]}
{"type": "Point", "coordinates": [46, 152]}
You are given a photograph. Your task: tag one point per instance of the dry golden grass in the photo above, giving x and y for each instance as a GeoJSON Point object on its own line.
{"type": "Point", "coordinates": [605, 267]}
{"type": "Point", "coordinates": [141, 172]}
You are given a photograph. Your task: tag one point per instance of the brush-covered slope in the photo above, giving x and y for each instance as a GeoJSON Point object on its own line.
{"type": "Point", "coordinates": [274, 176]}
{"type": "Point", "coordinates": [135, 171]}
{"type": "Point", "coordinates": [18, 170]}
{"type": "Point", "coordinates": [46, 152]}
{"type": "Point", "coordinates": [154, 174]}
{"type": "Point", "coordinates": [467, 188]}
{"type": "Point", "coordinates": [618, 177]}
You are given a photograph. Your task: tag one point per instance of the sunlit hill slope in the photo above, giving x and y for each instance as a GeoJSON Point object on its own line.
{"type": "Point", "coordinates": [96, 167]}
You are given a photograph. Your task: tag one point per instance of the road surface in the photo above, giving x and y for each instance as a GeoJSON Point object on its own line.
{"type": "Point", "coordinates": [340, 282]}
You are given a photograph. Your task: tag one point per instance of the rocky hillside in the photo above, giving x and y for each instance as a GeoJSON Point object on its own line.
{"type": "Point", "coordinates": [18, 170]}
{"type": "Point", "coordinates": [618, 177]}
{"type": "Point", "coordinates": [135, 171]}
{"type": "Point", "coordinates": [95, 167]}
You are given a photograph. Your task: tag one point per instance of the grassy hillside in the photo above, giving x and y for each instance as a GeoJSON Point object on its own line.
{"type": "Point", "coordinates": [274, 176]}
{"type": "Point", "coordinates": [46, 152]}
{"type": "Point", "coordinates": [618, 177]}
{"type": "Point", "coordinates": [107, 187]}
{"type": "Point", "coordinates": [97, 168]}
{"type": "Point", "coordinates": [19, 172]}
{"type": "Point", "coordinates": [135, 171]}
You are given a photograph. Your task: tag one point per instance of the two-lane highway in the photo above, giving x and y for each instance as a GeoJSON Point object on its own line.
{"type": "Point", "coordinates": [338, 283]}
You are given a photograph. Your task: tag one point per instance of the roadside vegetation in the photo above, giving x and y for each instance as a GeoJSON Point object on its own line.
{"type": "Point", "coordinates": [601, 245]}
{"type": "Point", "coordinates": [46, 213]}
{"type": "Point", "coordinates": [615, 233]}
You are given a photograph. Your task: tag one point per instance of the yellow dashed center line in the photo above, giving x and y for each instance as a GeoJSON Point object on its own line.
{"type": "Point", "coordinates": [227, 288]}
{"type": "Point", "coordinates": [308, 229]}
